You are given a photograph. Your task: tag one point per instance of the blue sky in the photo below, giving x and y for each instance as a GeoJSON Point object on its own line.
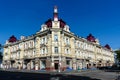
{"type": "Point", "coordinates": [99, 17]}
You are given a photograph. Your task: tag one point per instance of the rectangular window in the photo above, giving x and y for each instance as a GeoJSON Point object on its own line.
{"type": "Point", "coordinates": [55, 37]}
{"type": "Point", "coordinates": [78, 44]}
{"type": "Point", "coordinates": [43, 40]}
{"type": "Point", "coordinates": [43, 50]}
{"type": "Point", "coordinates": [43, 64]}
{"type": "Point", "coordinates": [68, 62]}
{"type": "Point", "coordinates": [56, 49]}
{"type": "Point", "coordinates": [33, 52]}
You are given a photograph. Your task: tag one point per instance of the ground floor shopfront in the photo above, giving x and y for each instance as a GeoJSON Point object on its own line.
{"type": "Point", "coordinates": [54, 63]}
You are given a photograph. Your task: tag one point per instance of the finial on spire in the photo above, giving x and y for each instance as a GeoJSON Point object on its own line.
{"type": "Point", "coordinates": [55, 13]}
{"type": "Point", "coordinates": [55, 9]}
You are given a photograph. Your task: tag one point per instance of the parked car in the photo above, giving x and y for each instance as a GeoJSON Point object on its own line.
{"type": "Point", "coordinates": [69, 69]}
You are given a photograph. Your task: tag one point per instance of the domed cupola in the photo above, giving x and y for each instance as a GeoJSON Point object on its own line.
{"type": "Point", "coordinates": [12, 39]}
{"type": "Point", "coordinates": [107, 46]}
{"type": "Point", "coordinates": [62, 23]}
{"type": "Point", "coordinates": [49, 23]}
{"type": "Point", "coordinates": [91, 38]}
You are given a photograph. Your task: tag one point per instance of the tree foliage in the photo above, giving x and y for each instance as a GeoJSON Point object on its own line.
{"type": "Point", "coordinates": [118, 54]}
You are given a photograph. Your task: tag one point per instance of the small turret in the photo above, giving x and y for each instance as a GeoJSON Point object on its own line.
{"type": "Point", "coordinates": [107, 46]}
{"type": "Point", "coordinates": [12, 39]}
{"type": "Point", "coordinates": [91, 38]}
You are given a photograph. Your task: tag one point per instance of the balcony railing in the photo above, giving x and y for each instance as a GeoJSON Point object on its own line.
{"type": "Point", "coordinates": [19, 49]}
{"type": "Point", "coordinates": [43, 45]}
{"type": "Point", "coordinates": [29, 48]}
{"type": "Point", "coordinates": [28, 56]}
{"type": "Point", "coordinates": [45, 54]}
{"type": "Point", "coordinates": [67, 45]}
{"type": "Point", "coordinates": [13, 58]}
{"type": "Point", "coordinates": [87, 58]}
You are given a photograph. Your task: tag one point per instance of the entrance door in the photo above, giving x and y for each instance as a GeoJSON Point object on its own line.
{"type": "Point", "coordinates": [87, 66]}
{"type": "Point", "coordinates": [56, 66]}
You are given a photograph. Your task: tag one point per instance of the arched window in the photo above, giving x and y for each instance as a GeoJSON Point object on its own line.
{"type": "Point", "coordinates": [67, 50]}
{"type": "Point", "coordinates": [67, 40]}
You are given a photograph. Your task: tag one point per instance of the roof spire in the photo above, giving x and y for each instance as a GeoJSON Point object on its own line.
{"type": "Point", "coordinates": [55, 14]}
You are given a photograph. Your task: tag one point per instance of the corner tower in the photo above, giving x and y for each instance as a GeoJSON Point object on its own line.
{"type": "Point", "coordinates": [55, 22]}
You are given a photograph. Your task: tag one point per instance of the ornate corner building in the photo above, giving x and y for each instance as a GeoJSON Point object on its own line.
{"type": "Point", "coordinates": [55, 47]}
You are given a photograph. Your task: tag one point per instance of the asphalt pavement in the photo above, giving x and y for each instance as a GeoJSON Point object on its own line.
{"type": "Point", "coordinates": [76, 75]}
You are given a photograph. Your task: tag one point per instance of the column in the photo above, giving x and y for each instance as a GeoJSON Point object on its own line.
{"type": "Point", "coordinates": [52, 64]}
{"type": "Point", "coordinates": [84, 66]}
{"type": "Point", "coordinates": [32, 64]}
{"type": "Point", "coordinates": [48, 64]}
{"type": "Point", "coordinates": [74, 64]}
{"type": "Point", "coordinates": [63, 64]}
{"type": "Point", "coordinates": [37, 64]}
{"type": "Point", "coordinates": [24, 65]}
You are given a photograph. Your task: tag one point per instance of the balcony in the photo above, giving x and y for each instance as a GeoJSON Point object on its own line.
{"type": "Point", "coordinates": [18, 57]}
{"type": "Point", "coordinates": [44, 55]}
{"type": "Point", "coordinates": [14, 51]}
{"type": "Point", "coordinates": [43, 45]}
{"type": "Point", "coordinates": [19, 49]}
{"type": "Point", "coordinates": [68, 55]}
{"type": "Point", "coordinates": [108, 61]}
{"type": "Point", "coordinates": [100, 60]}
{"type": "Point", "coordinates": [28, 56]}
{"type": "Point", "coordinates": [12, 58]}
{"type": "Point", "coordinates": [67, 45]}
{"type": "Point", "coordinates": [87, 58]}
{"type": "Point", "coordinates": [29, 48]}
{"type": "Point", "coordinates": [55, 54]}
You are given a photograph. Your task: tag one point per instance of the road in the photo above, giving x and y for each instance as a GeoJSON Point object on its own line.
{"type": "Point", "coordinates": [85, 75]}
{"type": "Point", "coordinates": [97, 74]}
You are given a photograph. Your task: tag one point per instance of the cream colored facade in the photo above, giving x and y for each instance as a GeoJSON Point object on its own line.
{"type": "Point", "coordinates": [55, 48]}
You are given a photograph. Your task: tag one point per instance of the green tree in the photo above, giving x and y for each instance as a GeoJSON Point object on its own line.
{"type": "Point", "coordinates": [118, 54]}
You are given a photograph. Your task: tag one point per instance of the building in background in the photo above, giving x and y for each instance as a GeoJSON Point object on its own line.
{"type": "Point", "coordinates": [55, 47]}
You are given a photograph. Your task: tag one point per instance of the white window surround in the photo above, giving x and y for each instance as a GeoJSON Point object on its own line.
{"type": "Point", "coordinates": [55, 49]}
{"type": "Point", "coordinates": [43, 40]}
{"type": "Point", "coordinates": [67, 51]}
{"type": "Point", "coordinates": [42, 50]}
{"type": "Point", "coordinates": [55, 37]}
{"type": "Point", "coordinates": [67, 40]}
